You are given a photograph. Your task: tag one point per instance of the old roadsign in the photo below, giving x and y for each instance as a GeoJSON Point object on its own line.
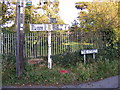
{"type": "Point", "coordinates": [89, 51]}
{"type": "Point", "coordinates": [48, 27]}
{"type": "Point", "coordinates": [29, 3]}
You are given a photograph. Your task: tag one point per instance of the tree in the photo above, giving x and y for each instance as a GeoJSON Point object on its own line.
{"type": "Point", "coordinates": [7, 15]}
{"type": "Point", "coordinates": [102, 18]}
{"type": "Point", "coordinates": [39, 14]}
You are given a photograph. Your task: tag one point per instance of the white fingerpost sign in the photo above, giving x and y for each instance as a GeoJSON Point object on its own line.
{"type": "Point", "coordinates": [45, 27]}
{"type": "Point", "coordinates": [49, 28]}
{"type": "Point", "coordinates": [92, 51]}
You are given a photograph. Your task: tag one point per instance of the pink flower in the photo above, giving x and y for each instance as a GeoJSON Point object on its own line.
{"type": "Point", "coordinates": [64, 71]}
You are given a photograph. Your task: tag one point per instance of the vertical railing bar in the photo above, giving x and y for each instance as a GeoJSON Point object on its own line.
{"type": "Point", "coordinates": [61, 43]}
{"type": "Point", "coordinates": [43, 44]}
{"type": "Point", "coordinates": [47, 44]}
{"type": "Point", "coordinates": [37, 45]}
{"type": "Point", "coordinates": [32, 44]}
{"type": "Point", "coordinates": [40, 45]}
{"type": "Point", "coordinates": [35, 34]}
{"type": "Point", "coordinates": [6, 43]}
{"type": "Point", "coordinates": [67, 42]}
{"type": "Point", "coordinates": [15, 42]}
{"type": "Point", "coordinates": [2, 43]}
{"type": "Point", "coordinates": [52, 43]}
{"type": "Point", "coordinates": [29, 44]}
{"type": "Point", "coordinates": [32, 40]}
{"type": "Point", "coordinates": [58, 43]}
{"type": "Point", "coordinates": [26, 45]}
{"type": "Point", "coordinates": [55, 43]}
{"type": "Point", "coordinates": [11, 43]}
{"type": "Point", "coordinates": [38, 53]}
{"type": "Point", "coordinates": [27, 40]}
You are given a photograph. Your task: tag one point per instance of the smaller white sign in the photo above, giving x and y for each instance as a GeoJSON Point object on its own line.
{"type": "Point", "coordinates": [89, 51]}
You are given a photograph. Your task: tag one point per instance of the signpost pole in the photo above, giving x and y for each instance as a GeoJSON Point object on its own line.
{"type": "Point", "coordinates": [93, 55]}
{"type": "Point", "coordinates": [49, 45]}
{"type": "Point", "coordinates": [84, 59]}
{"type": "Point", "coordinates": [49, 50]}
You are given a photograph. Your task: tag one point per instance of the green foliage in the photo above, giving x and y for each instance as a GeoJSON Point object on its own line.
{"type": "Point", "coordinates": [67, 59]}
{"type": "Point", "coordinates": [109, 37]}
{"type": "Point", "coordinates": [79, 73]}
{"type": "Point", "coordinates": [4, 9]}
{"type": "Point", "coordinates": [7, 15]}
{"type": "Point", "coordinates": [35, 17]}
{"type": "Point", "coordinates": [102, 19]}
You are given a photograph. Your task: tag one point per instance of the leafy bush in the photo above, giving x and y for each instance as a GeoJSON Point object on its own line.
{"type": "Point", "coordinates": [67, 59]}
{"type": "Point", "coordinates": [105, 65]}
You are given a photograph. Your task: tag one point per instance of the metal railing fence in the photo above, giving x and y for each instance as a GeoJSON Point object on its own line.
{"type": "Point", "coordinates": [36, 44]}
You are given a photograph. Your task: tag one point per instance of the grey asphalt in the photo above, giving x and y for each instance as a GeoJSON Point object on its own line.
{"type": "Point", "coordinates": [111, 82]}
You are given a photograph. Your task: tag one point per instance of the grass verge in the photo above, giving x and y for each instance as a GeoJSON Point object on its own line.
{"type": "Point", "coordinates": [79, 73]}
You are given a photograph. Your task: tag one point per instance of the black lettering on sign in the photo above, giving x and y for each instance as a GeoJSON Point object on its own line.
{"type": "Point", "coordinates": [40, 28]}
{"type": "Point", "coordinates": [33, 27]}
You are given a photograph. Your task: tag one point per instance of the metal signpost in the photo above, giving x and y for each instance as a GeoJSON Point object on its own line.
{"type": "Point", "coordinates": [92, 51]}
{"type": "Point", "coordinates": [49, 28]}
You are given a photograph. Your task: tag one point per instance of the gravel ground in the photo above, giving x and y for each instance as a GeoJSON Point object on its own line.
{"type": "Point", "coordinates": [112, 82]}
